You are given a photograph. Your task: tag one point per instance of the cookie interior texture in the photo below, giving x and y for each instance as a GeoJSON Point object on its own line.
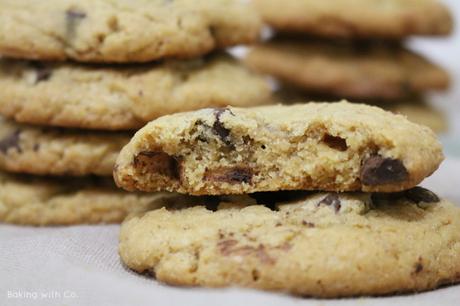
{"type": "Point", "coordinates": [40, 201]}
{"type": "Point", "coordinates": [326, 146]}
{"type": "Point", "coordinates": [56, 151]}
{"type": "Point", "coordinates": [315, 244]}
{"type": "Point", "coordinates": [123, 31]}
{"type": "Point", "coordinates": [354, 69]}
{"type": "Point", "coordinates": [358, 18]}
{"type": "Point", "coordinates": [125, 97]}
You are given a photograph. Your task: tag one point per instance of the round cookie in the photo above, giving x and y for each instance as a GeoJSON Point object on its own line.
{"type": "Point", "coordinates": [358, 18]}
{"type": "Point", "coordinates": [356, 70]}
{"type": "Point", "coordinates": [55, 151]}
{"type": "Point", "coordinates": [29, 200]}
{"type": "Point", "coordinates": [312, 146]}
{"type": "Point", "coordinates": [317, 244]}
{"type": "Point", "coordinates": [122, 30]}
{"type": "Point", "coordinates": [115, 98]}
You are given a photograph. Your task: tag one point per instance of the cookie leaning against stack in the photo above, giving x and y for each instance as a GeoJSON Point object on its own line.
{"type": "Point", "coordinates": [261, 221]}
{"type": "Point", "coordinates": [101, 95]}
{"type": "Point", "coordinates": [353, 49]}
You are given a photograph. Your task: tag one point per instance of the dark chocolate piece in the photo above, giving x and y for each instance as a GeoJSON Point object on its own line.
{"type": "Point", "coordinates": [420, 194]}
{"type": "Point", "coordinates": [158, 162]}
{"type": "Point", "coordinates": [377, 170]}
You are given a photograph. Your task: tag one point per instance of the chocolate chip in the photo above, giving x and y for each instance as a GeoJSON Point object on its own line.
{"type": "Point", "coordinates": [12, 141]}
{"type": "Point", "coordinates": [36, 147]}
{"type": "Point", "coordinates": [333, 200]}
{"type": "Point", "coordinates": [377, 170]}
{"type": "Point", "coordinates": [158, 162]}
{"type": "Point", "coordinates": [42, 73]}
{"type": "Point", "coordinates": [73, 19]}
{"type": "Point", "coordinates": [234, 175]}
{"type": "Point", "coordinates": [218, 128]}
{"type": "Point", "coordinates": [335, 142]}
{"type": "Point", "coordinates": [420, 194]}
{"type": "Point", "coordinates": [211, 202]}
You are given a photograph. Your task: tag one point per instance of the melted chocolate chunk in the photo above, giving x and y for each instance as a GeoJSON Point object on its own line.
{"type": "Point", "coordinates": [377, 170]}
{"type": "Point", "coordinates": [333, 200]}
{"type": "Point", "coordinates": [420, 194]}
{"type": "Point", "coordinates": [158, 162]}
{"type": "Point", "coordinates": [219, 129]}
{"type": "Point", "coordinates": [335, 142]}
{"type": "Point", "coordinates": [11, 141]}
{"type": "Point", "coordinates": [234, 175]}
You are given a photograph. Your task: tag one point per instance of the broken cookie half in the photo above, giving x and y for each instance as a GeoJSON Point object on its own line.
{"type": "Point", "coordinates": [313, 146]}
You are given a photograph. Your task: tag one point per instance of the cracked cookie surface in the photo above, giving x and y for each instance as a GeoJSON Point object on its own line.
{"type": "Point", "coordinates": [55, 151]}
{"type": "Point", "coordinates": [40, 201]}
{"type": "Point", "coordinates": [326, 146]}
{"type": "Point", "coordinates": [122, 30]}
{"type": "Point", "coordinates": [348, 69]}
{"type": "Point", "coordinates": [313, 244]}
{"type": "Point", "coordinates": [116, 98]}
{"type": "Point", "coordinates": [358, 18]}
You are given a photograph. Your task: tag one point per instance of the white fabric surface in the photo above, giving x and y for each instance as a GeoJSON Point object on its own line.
{"type": "Point", "coordinates": [80, 266]}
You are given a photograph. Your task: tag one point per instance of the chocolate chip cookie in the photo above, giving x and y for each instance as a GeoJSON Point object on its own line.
{"type": "Point", "coordinates": [116, 98]}
{"type": "Point", "coordinates": [310, 244]}
{"type": "Point", "coordinates": [57, 151]}
{"type": "Point", "coordinates": [40, 201]}
{"type": "Point", "coordinates": [359, 18]}
{"type": "Point", "coordinates": [122, 30]}
{"type": "Point", "coordinates": [326, 146]}
{"type": "Point", "coordinates": [348, 69]}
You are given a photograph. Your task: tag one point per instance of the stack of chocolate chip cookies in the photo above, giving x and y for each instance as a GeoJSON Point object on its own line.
{"type": "Point", "coordinates": [315, 199]}
{"type": "Point", "coordinates": [354, 49]}
{"type": "Point", "coordinates": [77, 78]}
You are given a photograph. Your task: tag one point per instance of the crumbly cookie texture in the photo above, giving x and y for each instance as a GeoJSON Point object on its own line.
{"type": "Point", "coordinates": [317, 244]}
{"type": "Point", "coordinates": [56, 151]}
{"type": "Point", "coordinates": [123, 30]}
{"type": "Point", "coordinates": [114, 98]}
{"type": "Point", "coordinates": [348, 69]}
{"type": "Point", "coordinates": [39, 201]}
{"type": "Point", "coordinates": [326, 146]}
{"type": "Point", "coordinates": [358, 18]}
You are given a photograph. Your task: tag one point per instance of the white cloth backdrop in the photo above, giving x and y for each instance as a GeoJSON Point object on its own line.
{"type": "Point", "coordinates": [80, 266]}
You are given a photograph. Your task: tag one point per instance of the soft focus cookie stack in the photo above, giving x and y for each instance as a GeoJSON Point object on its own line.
{"type": "Point", "coordinates": [354, 49]}
{"type": "Point", "coordinates": [316, 199]}
{"type": "Point", "coordinates": [78, 77]}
